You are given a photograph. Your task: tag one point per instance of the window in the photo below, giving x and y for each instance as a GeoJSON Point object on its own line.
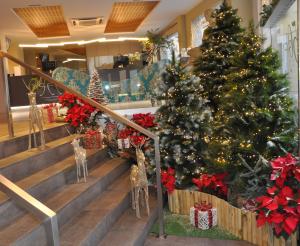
{"type": "Point", "coordinates": [166, 54]}
{"type": "Point", "coordinates": [199, 24]}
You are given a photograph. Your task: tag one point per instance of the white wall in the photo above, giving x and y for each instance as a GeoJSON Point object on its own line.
{"type": "Point", "coordinates": [282, 37]}
{"type": "Point", "coordinates": [17, 52]}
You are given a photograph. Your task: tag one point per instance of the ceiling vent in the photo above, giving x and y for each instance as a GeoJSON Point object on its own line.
{"type": "Point", "coordinates": [86, 22]}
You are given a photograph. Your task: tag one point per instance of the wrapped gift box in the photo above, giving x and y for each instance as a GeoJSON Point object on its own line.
{"type": "Point", "coordinates": [203, 216]}
{"type": "Point", "coordinates": [50, 113]}
{"type": "Point", "coordinates": [123, 144]}
{"type": "Point", "coordinates": [92, 139]}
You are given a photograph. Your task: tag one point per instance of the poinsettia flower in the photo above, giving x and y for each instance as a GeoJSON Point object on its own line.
{"type": "Point", "coordinates": [198, 183]}
{"type": "Point", "coordinates": [297, 173]}
{"type": "Point", "coordinates": [290, 210]}
{"type": "Point", "coordinates": [264, 201]}
{"type": "Point", "coordinates": [290, 224]}
{"type": "Point", "coordinates": [171, 171]}
{"type": "Point", "coordinates": [278, 229]}
{"type": "Point", "coordinates": [144, 120]}
{"type": "Point", "coordinates": [272, 190]}
{"type": "Point", "coordinates": [280, 182]}
{"type": "Point", "coordinates": [137, 140]}
{"type": "Point", "coordinates": [282, 212]}
{"type": "Point", "coordinates": [272, 206]}
{"type": "Point", "coordinates": [261, 219]}
{"type": "Point", "coordinates": [282, 162]}
{"type": "Point", "coordinates": [164, 176]}
{"type": "Point", "coordinates": [281, 200]}
{"type": "Point", "coordinates": [168, 179]}
{"type": "Point", "coordinates": [287, 193]}
{"type": "Point", "coordinates": [276, 217]}
{"type": "Point", "coordinates": [212, 182]}
{"type": "Point", "coordinates": [125, 133]}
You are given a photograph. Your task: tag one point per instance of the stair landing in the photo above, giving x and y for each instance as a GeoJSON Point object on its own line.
{"type": "Point", "coordinates": [21, 128]}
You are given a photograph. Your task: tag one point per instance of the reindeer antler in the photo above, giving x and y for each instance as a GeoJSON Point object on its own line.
{"type": "Point", "coordinates": [143, 141]}
{"type": "Point", "coordinates": [33, 85]}
{"type": "Point", "coordinates": [131, 142]}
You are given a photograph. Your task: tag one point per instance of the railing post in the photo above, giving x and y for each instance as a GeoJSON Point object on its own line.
{"type": "Point", "coordinates": [5, 110]}
{"type": "Point", "coordinates": [161, 233]}
{"type": "Point", "coordinates": [52, 231]}
{"type": "Point", "coordinates": [24, 199]}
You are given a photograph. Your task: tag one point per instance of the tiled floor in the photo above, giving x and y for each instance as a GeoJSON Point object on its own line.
{"type": "Point", "coordinates": [183, 241]}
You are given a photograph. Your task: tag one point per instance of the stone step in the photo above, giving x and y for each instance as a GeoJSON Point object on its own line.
{"type": "Point", "coordinates": [45, 181]}
{"type": "Point", "coordinates": [95, 220]}
{"type": "Point", "coordinates": [67, 202]}
{"type": "Point", "coordinates": [23, 164]}
{"type": "Point", "coordinates": [129, 230]}
{"type": "Point", "coordinates": [18, 144]}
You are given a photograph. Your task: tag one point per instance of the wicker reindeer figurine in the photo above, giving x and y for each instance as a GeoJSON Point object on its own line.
{"type": "Point", "coordinates": [139, 182]}
{"type": "Point", "coordinates": [35, 121]}
{"type": "Point", "coordinates": [80, 158]}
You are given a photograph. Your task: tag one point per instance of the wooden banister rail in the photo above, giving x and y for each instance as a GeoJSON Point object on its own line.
{"type": "Point", "coordinates": [113, 115]}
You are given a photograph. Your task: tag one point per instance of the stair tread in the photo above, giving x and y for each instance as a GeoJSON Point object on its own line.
{"type": "Point", "coordinates": [129, 228]}
{"type": "Point", "coordinates": [46, 173]}
{"type": "Point", "coordinates": [5, 162]}
{"type": "Point", "coordinates": [57, 201]}
{"type": "Point", "coordinates": [78, 228]}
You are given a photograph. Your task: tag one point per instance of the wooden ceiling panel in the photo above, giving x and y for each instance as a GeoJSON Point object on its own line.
{"type": "Point", "coordinates": [44, 21]}
{"type": "Point", "coordinates": [128, 16]}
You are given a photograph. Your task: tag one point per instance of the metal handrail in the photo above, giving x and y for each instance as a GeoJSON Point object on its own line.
{"type": "Point", "coordinates": [24, 199]}
{"type": "Point", "coordinates": [116, 117]}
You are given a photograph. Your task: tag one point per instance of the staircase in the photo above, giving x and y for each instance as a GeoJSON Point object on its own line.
{"type": "Point", "coordinates": [97, 212]}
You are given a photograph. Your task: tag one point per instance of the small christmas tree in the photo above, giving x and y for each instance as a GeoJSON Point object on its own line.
{"type": "Point", "coordinates": [95, 90]}
{"type": "Point", "coordinates": [182, 123]}
{"type": "Point", "coordinates": [220, 42]}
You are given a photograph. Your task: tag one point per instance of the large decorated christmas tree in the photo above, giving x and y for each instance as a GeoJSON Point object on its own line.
{"type": "Point", "coordinates": [183, 123]}
{"type": "Point", "coordinates": [220, 42]}
{"type": "Point", "coordinates": [256, 116]}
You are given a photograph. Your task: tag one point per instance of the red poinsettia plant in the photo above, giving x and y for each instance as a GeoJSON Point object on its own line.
{"type": "Point", "coordinates": [144, 120]}
{"type": "Point", "coordinates": [79, 112]}
{"type": "Point", "coordinates": [213, 184]}
{"type": "Point", "coordinates": [168, 179]}
{"type": "Point", "coordinates": [280, 206]}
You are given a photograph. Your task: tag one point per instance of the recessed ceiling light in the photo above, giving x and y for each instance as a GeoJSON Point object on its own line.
{"type": "Point", "coordinates": [83, 42]}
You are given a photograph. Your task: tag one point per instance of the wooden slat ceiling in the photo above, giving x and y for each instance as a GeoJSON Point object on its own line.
{"type": "Point", "coordinates": [127, 16]}
{"type": "Point", "coordinates": [44, 21]}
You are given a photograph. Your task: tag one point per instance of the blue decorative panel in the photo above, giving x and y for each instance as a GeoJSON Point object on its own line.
{"type": "Point", "coordinates": [73, 78]}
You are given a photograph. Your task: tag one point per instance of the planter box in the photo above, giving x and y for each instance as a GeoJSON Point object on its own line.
{"type": "Point", "coordinates": [240, 223]}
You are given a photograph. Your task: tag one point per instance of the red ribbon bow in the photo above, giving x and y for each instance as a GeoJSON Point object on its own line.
{"type": "Point", "coordinates": [203, 207]}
